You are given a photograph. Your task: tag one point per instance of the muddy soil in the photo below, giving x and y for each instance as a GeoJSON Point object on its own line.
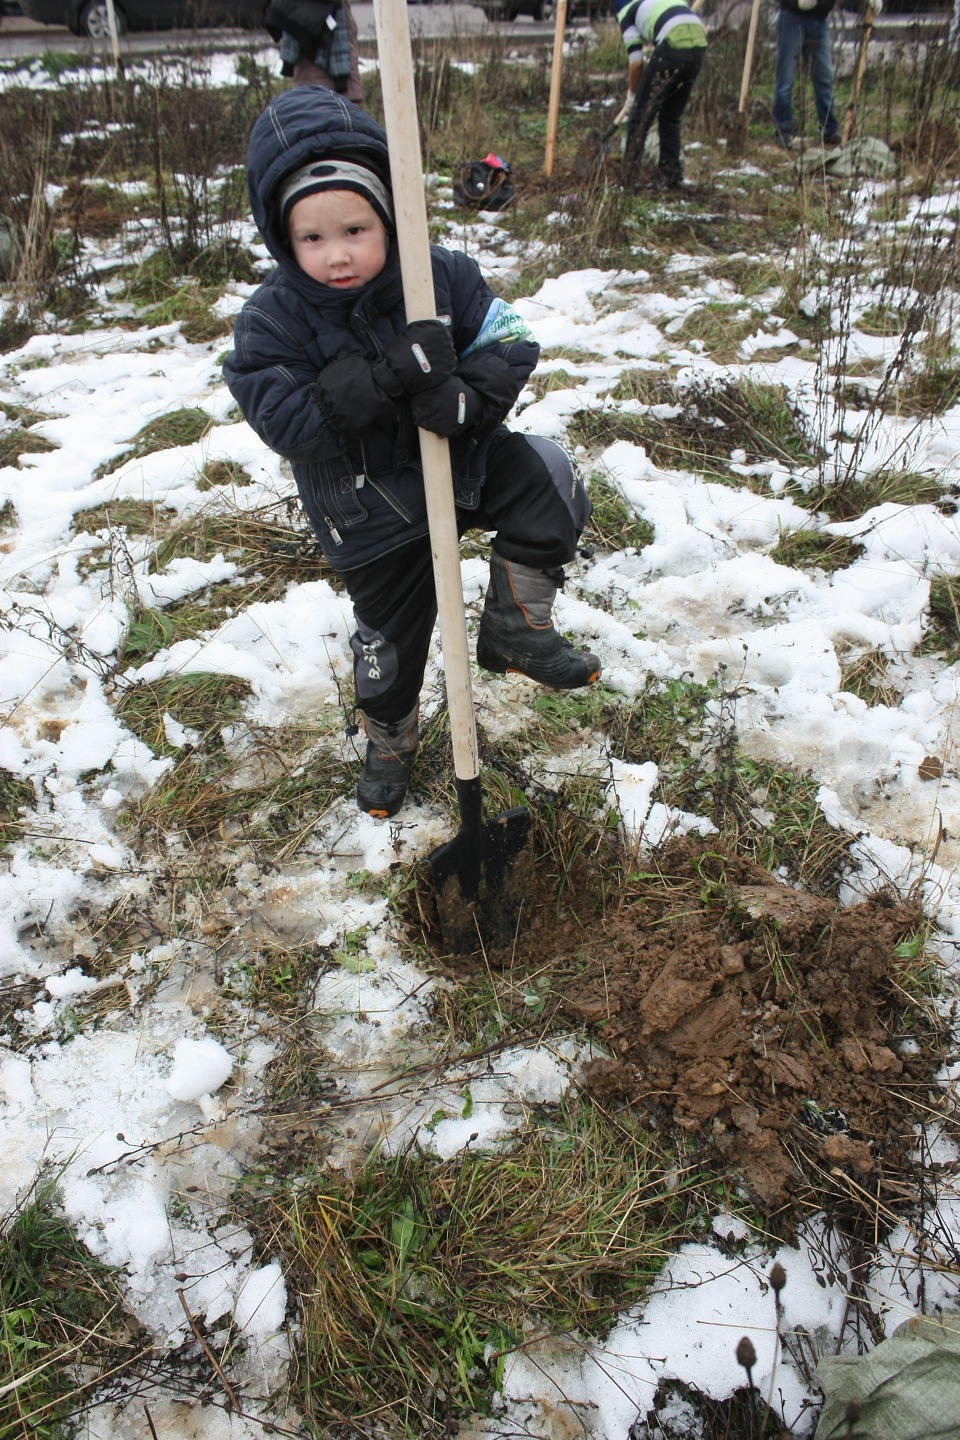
{"type": "Point", "coordinates": [768, 1024]}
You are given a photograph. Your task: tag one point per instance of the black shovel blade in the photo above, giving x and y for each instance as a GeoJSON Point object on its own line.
{"type": "Point", "coordinates": [592, 154]}
{"type": "Point", "coordinates": [483, 876]}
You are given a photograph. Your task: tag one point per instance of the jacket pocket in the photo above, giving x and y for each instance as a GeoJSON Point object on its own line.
{"type": "Point", "coordinates": [330, 491]}
{"type": "Point", "coordinates": [466, 492]}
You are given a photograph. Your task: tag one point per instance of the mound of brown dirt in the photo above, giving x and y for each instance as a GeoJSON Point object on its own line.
{"type": "Point", "coordinates": [763, 1021]}
{"type": "Point", "coordinates": [761, 1018]}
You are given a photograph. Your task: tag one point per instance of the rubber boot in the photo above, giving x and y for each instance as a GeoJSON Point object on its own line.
{"type": "Point", "coordinates": [391, 746]}
{"type": "Point", "coordinates": [517, 630]}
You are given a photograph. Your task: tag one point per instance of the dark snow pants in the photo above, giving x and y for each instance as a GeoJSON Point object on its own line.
{"type": "Point", "coordinates": [662, 95]}
{"type": "Point", "coordinates": [535, 500]}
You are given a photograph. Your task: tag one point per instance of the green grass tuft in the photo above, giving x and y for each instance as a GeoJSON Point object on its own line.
{"type": "Point", "coordinates": [417, 1275]}
{"type": "Point", "coordinates": [179, 427]}
{"type": "Point", "coordinates": [698, 427]}
{"type": "Point", "coordinates": [62, 1321]}
{"type": "Point", "coordinates": [614, 525]}
{"type": "Point", "coordinates": [223, 472]}
{"type": "Point", "coordinates": [15, 796]}
{"type": "Point", "coordinates": [814, 550]}
{"type": "Point", "coordinates": [17, 442]}
{"type": "Point", "coordinates": [138, 517]}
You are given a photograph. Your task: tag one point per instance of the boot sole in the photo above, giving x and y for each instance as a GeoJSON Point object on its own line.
{"type": "Point", "coordinates": [555, 682]}
{"type": "Point", "coordinates": [379, 809]}
{"type": "Point", "coordinates": [552, 684]}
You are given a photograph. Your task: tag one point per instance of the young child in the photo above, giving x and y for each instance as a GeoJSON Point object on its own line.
{"type": "Point", "coordinates": [330, 375]}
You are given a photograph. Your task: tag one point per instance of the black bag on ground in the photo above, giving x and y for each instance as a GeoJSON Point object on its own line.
{"type": "Point", "coordinates": [484, 185]}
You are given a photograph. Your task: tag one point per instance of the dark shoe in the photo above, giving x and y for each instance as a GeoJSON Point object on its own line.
{"type": "Point", "coordinates": [832, 141]}
{"type": "Point", "coordinates": [668, 180]}
{"type": "Point", "coordinates": [517, 632]}
{"type": "Point", "coordinates": [784, 141]}
{"type": "Point", "coordinates": [391, 747]}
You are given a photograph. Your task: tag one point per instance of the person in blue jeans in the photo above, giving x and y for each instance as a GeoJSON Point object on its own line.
{"type": "Point", "coordinates": [803, 33]}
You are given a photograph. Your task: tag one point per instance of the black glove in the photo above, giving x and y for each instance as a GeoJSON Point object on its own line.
{"type": "Point", "coordinates": [351, 399]}
{"type": "Point", "coordinates": [495, 382]}
{"type": "Point", "coordinates": [450, 409]}
{"type": "Point", "coordinates": [422, 357]}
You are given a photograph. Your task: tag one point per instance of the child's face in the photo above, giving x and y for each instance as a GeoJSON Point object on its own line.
{"type": "Point", "coordinates": [338, 238]}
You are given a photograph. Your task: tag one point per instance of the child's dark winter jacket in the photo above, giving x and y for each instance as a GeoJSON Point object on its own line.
{"type": "Point", "coordinates": [364, 498]}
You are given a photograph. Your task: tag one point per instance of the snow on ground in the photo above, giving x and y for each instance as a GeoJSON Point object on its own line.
{"type": "Point", "coordinates": [108, 1108]}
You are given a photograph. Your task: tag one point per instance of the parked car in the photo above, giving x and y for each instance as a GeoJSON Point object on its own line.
{"type": "Point", "coordinates": [542, 9]}
{"type": "Point", "coordinates": [903, 7]}
{"type": "Point", "coordinates": [89, 17]}
{"type": "Point", "coordinates": [511, 9]}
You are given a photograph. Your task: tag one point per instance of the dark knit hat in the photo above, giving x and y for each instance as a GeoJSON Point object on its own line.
{"type": "Point", "coordinates": [336, 174]}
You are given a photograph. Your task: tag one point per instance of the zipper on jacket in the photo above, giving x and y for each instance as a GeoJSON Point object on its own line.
{"type": "Point", "coordinates": [392, 501]}
{"type": "Point", "coordinates": [338, 539]}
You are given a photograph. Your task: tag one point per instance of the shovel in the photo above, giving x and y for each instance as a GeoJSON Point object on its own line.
{"type": "Point", "coordinates": [481, 876]}
{"type": "Point", "coordinates": [737, 138]}
{"type": "Point", "coordinates": [851, 111]}
{"type": "Point", "coordinates": [594, 152]}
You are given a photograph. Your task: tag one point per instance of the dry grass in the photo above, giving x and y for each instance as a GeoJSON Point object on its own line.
{"type": "Point", "coordinates": [416, 1276]}
{"type": "Point", "coordinates": [710, 421]}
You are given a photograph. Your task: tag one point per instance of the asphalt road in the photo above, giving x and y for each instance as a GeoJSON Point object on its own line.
{"type": "Point", "coordinates": [20, 36]}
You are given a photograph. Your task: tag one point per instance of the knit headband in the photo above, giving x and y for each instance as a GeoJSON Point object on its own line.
{"type": "Point", "coordinates": [336, 175]}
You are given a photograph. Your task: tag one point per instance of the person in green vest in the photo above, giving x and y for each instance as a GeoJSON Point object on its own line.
{"type": "Point", "coordinates": [659, 86]}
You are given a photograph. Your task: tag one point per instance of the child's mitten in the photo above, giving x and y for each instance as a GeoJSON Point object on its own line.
{"type": "Point", "coordinates": [416, 360]}
{"type": "Point", "coordinates": [450, 409]}
{"type": "Point", "coordinates": [351, 399]}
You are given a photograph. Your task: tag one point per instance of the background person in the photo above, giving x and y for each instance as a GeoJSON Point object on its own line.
{"type": "Point", "coordinates": [803, 33]}
{"type": "Point", "coordinates": [318, 43]}
{"type": "Point", "coordinates": [659, 86]}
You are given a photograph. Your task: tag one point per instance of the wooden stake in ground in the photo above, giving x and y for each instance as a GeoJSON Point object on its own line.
{"type": "Point", "coordinates": [114, 36]}
{"type": "Point", "coordinates": [556, 74]}
{"type": "Point", "coordinates": [849, 117]}
{"type": "Point", "coordinates": [738, 135]}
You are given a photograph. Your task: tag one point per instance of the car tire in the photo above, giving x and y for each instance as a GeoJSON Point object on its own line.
{"type": "Point", "coordinates": [544, 10]}
{"type": "Point", "coordinates": [95, 22]}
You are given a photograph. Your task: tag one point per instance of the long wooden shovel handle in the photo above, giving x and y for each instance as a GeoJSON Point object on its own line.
{"type": "Point", "coordinates": [850, 115]}
{"type": "Point", "coordinates": [410, 211]}
{"type": "Point", "coordinates": [748, 57]}
{"type": "Point", "coordinates": [556, 72]}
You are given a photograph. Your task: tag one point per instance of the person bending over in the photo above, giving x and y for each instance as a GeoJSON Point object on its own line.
{"type": "Point", "coordinates": [659, 87]}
